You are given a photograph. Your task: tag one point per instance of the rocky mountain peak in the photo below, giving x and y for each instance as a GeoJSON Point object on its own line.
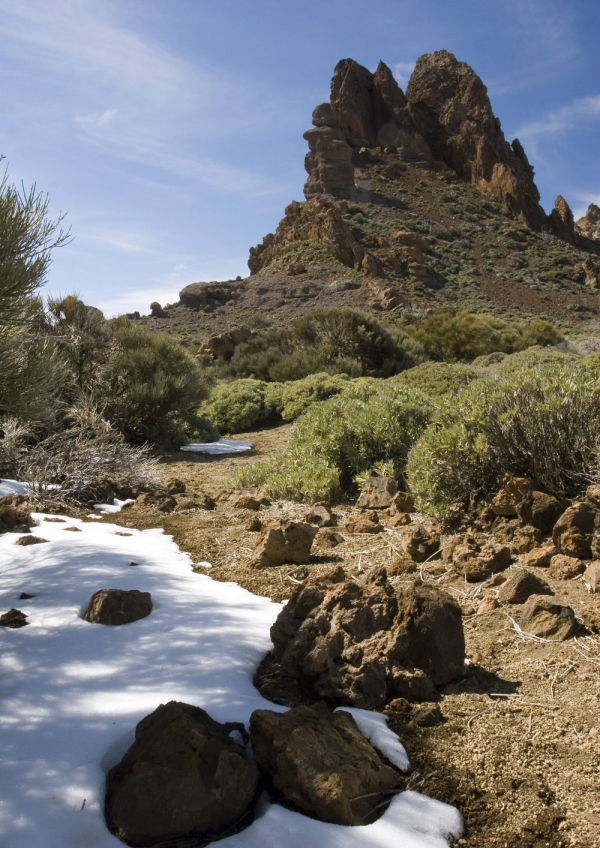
{"type": "Point", "coordinates": [589, 225]}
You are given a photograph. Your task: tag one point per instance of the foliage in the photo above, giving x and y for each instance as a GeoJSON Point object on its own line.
{"type": "Point", "coordinates": [238, 406]}
{"type": "Point", "coordinates": [451, 337]}
{"type": "Point", "coordinates": [294, 398]}
{"type": "Point", "coordinates": [439, 378]}
{"type": "Point", "coordinates": [340, 438]}
{"type": "Point", "coordinates": [74, 463]}
{"type": "Point", "coordinates": [531, 358]}
{"type": "Point", "coordinates": [543, 424]}
{"type": "Point", "coordinates": [325, 340]}
{"type": "Point", "coordinates": [151, 385]}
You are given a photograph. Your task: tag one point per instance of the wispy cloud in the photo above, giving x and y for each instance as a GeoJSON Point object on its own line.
{"type": "Point", "coordinates": [582, 200]}
{"type": "Point", "coordinates": [130, 95]}
{"type": "Point", "coordinates": [571, 116]}
{"type": "Point", "coordinates": [402, 72]}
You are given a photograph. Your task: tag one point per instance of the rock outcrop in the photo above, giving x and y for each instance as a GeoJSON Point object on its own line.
{"type": "Point", "coordinates": [286, 541]}
{"type": "Point", "coordinates": [322, 763]}
{"type": "Point", "coordinates": [183, 776]}
{"type": "Point", "coordinates": [589, 225]}
{"type": "Point", "coordinates": [207, 296]}
{"type": "Point", "coordinates": [452, 105]}
{"type": "Point", "coordinates": [561, 220]}
{"type": "Point", "coordinates": [329, 160]}
{"type": "Point", "coordinates": [361, 642]}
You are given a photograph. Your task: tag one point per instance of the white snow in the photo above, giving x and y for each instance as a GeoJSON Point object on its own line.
{"type": "Point", "coordinates": [12, 487]}
{"type": "Point", "coordinates": [71, 692]}
{"type": "Point", "coordinates": [374, 727]}
{"type": "Point", "coordinates": [115, 506]}
{"type": "Point", "coordinates": [220, 448]}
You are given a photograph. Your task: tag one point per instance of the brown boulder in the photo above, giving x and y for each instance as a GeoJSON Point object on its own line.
{"type": "Point", "coordinates": [525, 539]}
{"type": "Point", "coordinates": [478, 562]}
{"type": "Point", "coordinates": [512, 492]}
{"type": "Point", "coordinates": [183, 776]}
{"type": "Point", "coordinates": [320, 516]}
{"type": "Point", "coordinates": [328, 538]}
{"type": "Point", "coordinates": [118, 606]}
{"type": "Point", "coordinates": [348, 641]}
{"type": "Point", "coordinates": [368, 523]}
{"type": "Point", "coordinates": [589, 225]}
{"type": "Point", "coordinates": [377, 493]}
{"type": "Point", "coordinates": [400, 519]}
{"type": "Point", "coordinates": [487, 605]}
{"type": "Point", "coordinates": [287, 541]}
{"type": "Point", "coordinates": [329, 160]}
{"type": "Point", "coordinates": [175, 486]}
{"type": "Point", "coordinates": [540, 557]}
{"type": "Point", "coordinates": [421, 542]}
{"type": "Point", "coordinates": [322, 763]}
{"type": "Point", "coordinates": [574, 529]}
{"type": "Point", "coordinates": [521, 585]}
{"type": "Point", "coordinates": [565, 567]}
{"type": "Point", "coordinates": [540, 510]}
{"type": "Point", "coordinates": [561, 220]}
{"type": "Point", "coordinates": [30, 539]}
{"type": "Point", "coordinates": [591, 576]}
{"type": "Point", "coordinates": [547, 619]}
{"type": "Point", "coordinates": [592, 495]}
{"type": "Point", "coordinates": [402, 502]}
{"type": "Point", "coordinates": [590, 614]}
{"type": "Point", "coordinates": [15, 514]}
{"type": "Point", "coordinates": [14, 619]}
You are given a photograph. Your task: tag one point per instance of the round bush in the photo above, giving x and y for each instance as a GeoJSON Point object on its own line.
{"type": "Point", "coordinates": [439, 378]}
{"type": "Point", "coordinates": [238, 406]}
{"type": "Point", "coordinates": [543, 424]}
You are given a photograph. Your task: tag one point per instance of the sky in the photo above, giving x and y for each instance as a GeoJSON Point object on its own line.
{"type": "Point", "coordinates": [170, 131]}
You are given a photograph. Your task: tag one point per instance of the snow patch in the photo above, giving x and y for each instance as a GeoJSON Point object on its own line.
{"type": "Point", "coordinates": [220, 448]}
{"type": "Point", "coordinates": [374, 727]}
{"type": "Point", "coordinates": [12, 487]}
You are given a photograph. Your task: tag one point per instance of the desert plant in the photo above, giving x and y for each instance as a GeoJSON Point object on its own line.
{"type": "Point", "coordinates": [150, 385]}
{"type": "Point", "coordinates": [543, 424]}
{"type": "Point", "coordinates": [294, 398]}
{"type": "Point", "coordinates": [238, 406]}
{"type": "Point", "coordinates": [438, 378]}
{"type": "Point", "coordinates": [75, 464]}
{"type": "Point", "coordinates": [342, 437]}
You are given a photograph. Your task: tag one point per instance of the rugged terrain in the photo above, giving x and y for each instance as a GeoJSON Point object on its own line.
{"type": "Point", "coordinates": [515, 742]}
{"type": "Point", "coordinates": [414, 202]}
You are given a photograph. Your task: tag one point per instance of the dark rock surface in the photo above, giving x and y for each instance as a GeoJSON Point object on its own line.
{"type": "Point", "coordinates": [183, 776]}
{"type": "Point", "coordinates": [118, 606]}
{"type": "Point", "coordinates": [14, 618]}
{"type": "Point", "coordinates": [521, 585]}
{"type": "Point", "coordinates": [322, 763]}
{"type": "Point", "coordinates": [288, 541]}
{"type": "Point", "coordinates": [546, 618]}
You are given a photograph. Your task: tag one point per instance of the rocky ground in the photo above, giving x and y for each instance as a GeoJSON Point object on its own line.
{"type": "Point", "coordinates": [514, 741]}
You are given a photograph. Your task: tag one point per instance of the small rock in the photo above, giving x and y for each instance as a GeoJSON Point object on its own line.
{"type": "Point", "coordinates": [320, 516]}
{"type": "Point", "coordinates": [593, 495]}
{"type": "Point", "coordinates": [167, 505]}
{"type": "Point", "coordinates": [428, 715]}
{"type": "Point", "coordinates": [565, 567]}
{"type": "Point", "coordinates": [328, 538]}
{"type": "Point", "coordinates": [487, 605]}
{"type": "Point", "coordinates": [368, 523]}
{"type": "Point", "coordinates": [540, 510]}
{"type": "Point", "coordinates": [574, 529]}
{"type": "Point", "coordinates": [52, 519]}
{"type": "Point", "coordinates": [413, 685]}
{"type": "Point", "coordinates": [175, 486]}
{"type": "Point", "coordinates": [377, 493]}
{"type": "Point", "coordinates": [322, 763]}
{"type": "Point", "coordinates": [288, 541]}
{"type": "Point", "coordinates": [512, 492]}
{"type": "Point", "coordinates": [30, 539]}
{"type": "Point", "coordinates": [521, 585]}
{"type": "Point", "coordinates": [15, 514]}
{"type": "Point", "coordinates": [540, 557]}
{"type": "Point", "coordinates": [477, 563]}
{"type": "Point", "coordinates": [402, 565]}
{"type": "Point", "coordinates": [591, 576]}
{"type": "Point", "coordinates": [590, 614]}
{"type": "Point", "coordinates": [421, 542]}
{"type": "Point", "coordinates": [245, 502]}
{"type": "Point", "coordinates": [400, 519]}
{"type": "Point", "coordinates": [118, 606]}
{"type": "Point", "coordinates": [402, 502]}
{"type": "Point", "coordinates": [255, 525]}
{"type": "Point", "coordinates": [543, 617]}
{"type": "Point", "coordinates": [14, 618]}
{"type": "Point", "coordinates": [525, 539]}
{"type": "Point", "coordinates": [183, 776]}
{"type": "Point", "coordinates": [73, 529]}
{"type": "Point", "coordinates": [120, 533]}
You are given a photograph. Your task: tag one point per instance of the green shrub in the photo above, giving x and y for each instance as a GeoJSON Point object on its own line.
{"type": "Point", "coordinates": [296, 397]}
{"type": "Point", "coordinates": [447, 336]}
{"type": "Point", "coordinates": [533, 357]}
{"type": "Point", "coordinates": [150, 385]}
{"type": "Point", "coordinates": [543, 424]}
{"type": "Point", "coordinates": [335, 341]}
{"type": "Point", "coordinates": [238, 406]}
{"type": "Point", "coordinates": [438, 378]}
{"type": "Point", "coordinates": [340, 438]}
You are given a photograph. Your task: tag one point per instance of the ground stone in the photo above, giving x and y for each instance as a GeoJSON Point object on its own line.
{"type": "Point", "coordinates": [368, 523]}
{"type": "Point", "coordinates": [421, 542]}
{"type": "Point", "coordinates": [30, 539]}
{"type": "Point", "coordinates": [377, 493]}
{"type": "Point", "coordinates": [521, 585]}
{"type": "Point", "coordinates": [328, 538]}
{"type": "Point", "coordinates": [286, 541]}
{"type": "Point", "coordinates": [565, 567]}
{"type": "Point", "coordinates": [591, 576]}
{"type": "Point", "coordinates": [540, 557]}
{"type": "Point", "coordinates": [14, 618]}
{"type": "Point", "coordinates": [510, 495]}
{"type": "Point", "coordinates": [118, 606]}
{"type": "Point", "coordinates": [540, 510]}
{"type": "Point", "coordinates": [322, 763]}
{"type": "Point", "coordinates": [320, 516]}
{"type": "Point", "coordinates": [541, 616]}
{"type": "Point", "coordinates": [574, 529]}
{"type": "Point", "coordinates": [183, 776]}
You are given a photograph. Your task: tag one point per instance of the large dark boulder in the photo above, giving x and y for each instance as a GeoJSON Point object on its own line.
{"type": "Point", "coordinates": [322, 763]}
{"type": "Point", "coordinates": [183, 776]}
{"type": "Point", "coordinates": [118, 606]}
{"type": "Point", "coordinates": [353, 641]}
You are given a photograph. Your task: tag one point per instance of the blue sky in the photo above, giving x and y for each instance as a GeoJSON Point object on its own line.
{"type": "Point", "coordinates": [170, 131]}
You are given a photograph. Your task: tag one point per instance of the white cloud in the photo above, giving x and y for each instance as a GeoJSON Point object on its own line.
{"type": "Point", "coordinates": [569, 117]}
{"type": "Point", "coordinates": [131, 96]}
{"type": "Point", "coordinates": [402, 72]}
{"type": "Point", "coordinates": [582, 201]}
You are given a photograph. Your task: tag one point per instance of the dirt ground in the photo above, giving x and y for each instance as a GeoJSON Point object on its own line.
{"type": "Point", "coordinates": [518, 747]}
